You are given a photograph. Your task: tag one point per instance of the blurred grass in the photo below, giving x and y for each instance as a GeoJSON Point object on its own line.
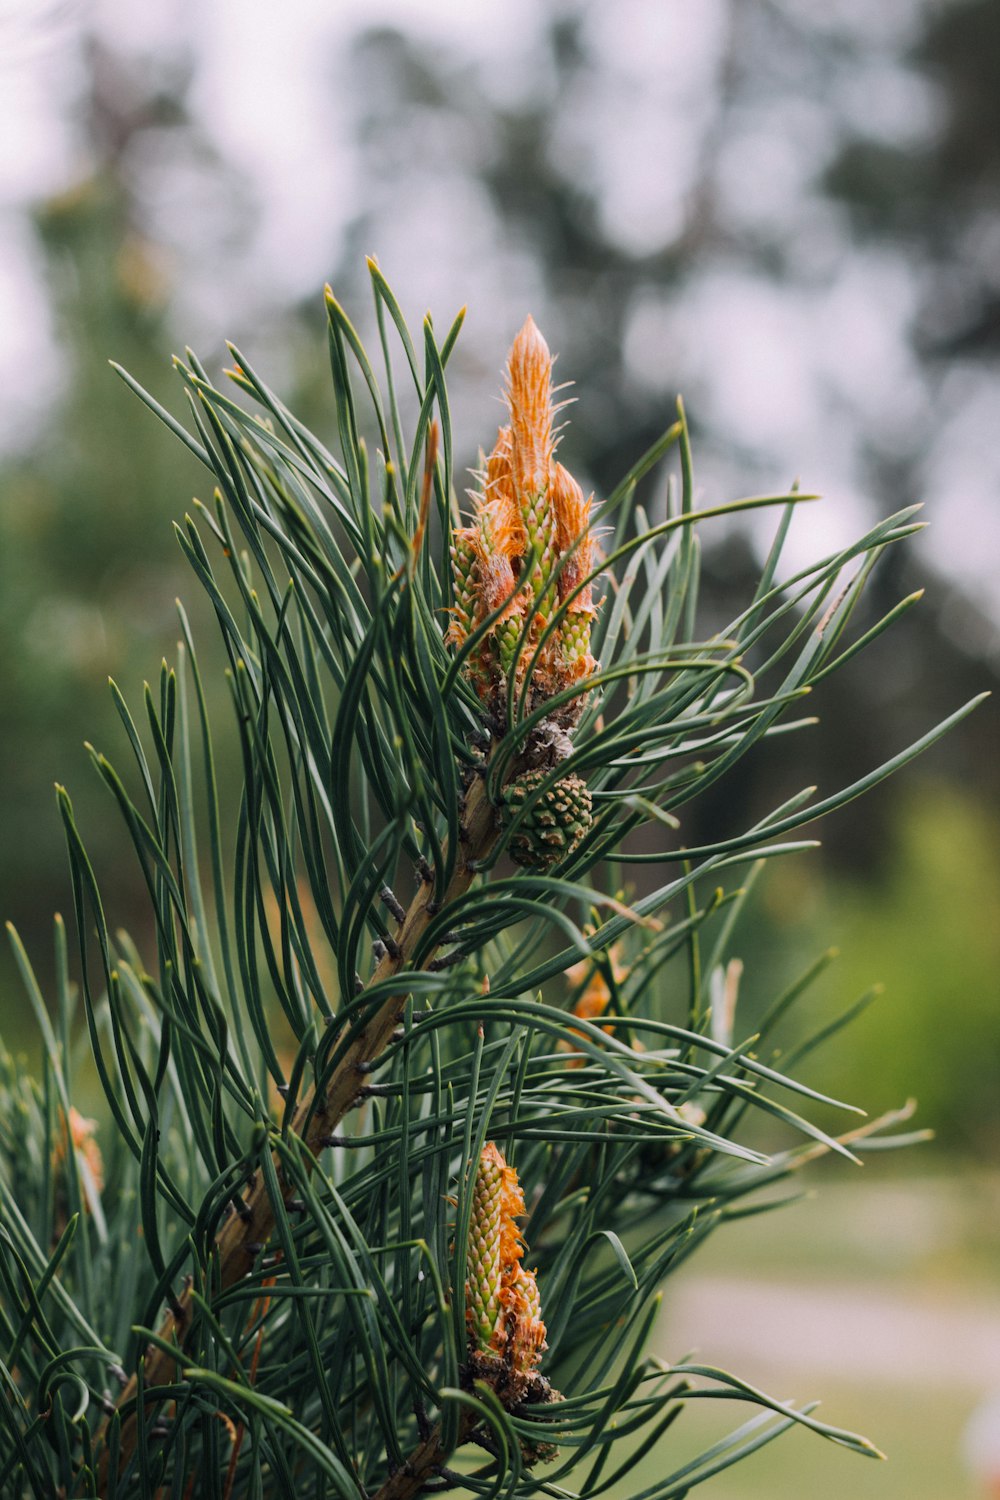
{"type": "Point", "coordinates": [918, 1221]}
{"type": "Point", "coordinates": [920, 1240]}
{"type": "Point", "coordinates": [882, 1251]}
{"type": "Point", "coordinates": [919, 1431]}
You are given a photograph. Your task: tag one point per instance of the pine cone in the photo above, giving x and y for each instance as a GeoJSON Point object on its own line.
{"type": "Point", "coordinates": [555, 823]}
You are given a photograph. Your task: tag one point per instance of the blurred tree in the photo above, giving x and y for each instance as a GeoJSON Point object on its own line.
{"type": "Point", "coordinates": [938, 199]}
{"type": "Point", "coordinates": [84, 591]}
{"type": "Point", "coordinates": [534, 153]}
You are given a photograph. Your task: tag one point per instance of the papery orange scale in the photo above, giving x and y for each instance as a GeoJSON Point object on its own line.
{"type": "Point", "coordinates": [500, 528]}
{"type": "Point", "coordinates": [498, 513]}
{"type": "Point", "coordinates": [541, 681]}
{"type": "Point", "coordinates": [81, 1133]}
{"type": "Point", "coordinates": [572, 513]}
{"type": "Point", "coordinates": [573, 571]}
{"type": "Point", "coordinates": [80, 1128]}
{"type": "Point", "coordinates": [499, 472]}
{"type": "Point", "coordinates": [95, 1161]}
{"type": "Point", "coordinates": [529, 400]}
{"type": "Point", "coordinates": [528, 1335]}
{"type": "Point", "coordinates": [497, 585]}
{"type": "Point", "coordinates": [499, 494]}
{"type": "Point", "coordinates": [511, 1208]}
{"type": "Point", "coordinates": [585, 666]}
{"type": "Point", "coordinates": [456, 634]}
{"type": "Point", "coordinates": [492, 1156]}
{"type": "Point", "coordinates": [595, 999]}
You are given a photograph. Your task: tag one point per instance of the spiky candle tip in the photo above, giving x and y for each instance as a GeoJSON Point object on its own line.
{"type": "Point", "coordinates": [528, 555]}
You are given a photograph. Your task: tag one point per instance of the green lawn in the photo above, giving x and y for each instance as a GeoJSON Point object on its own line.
{"type": "Point", "coordinates": [920, 1433]}
{"type": "Point", "coordinates": [878, 1254]}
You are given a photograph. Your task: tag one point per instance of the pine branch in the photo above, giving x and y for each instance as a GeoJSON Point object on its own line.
{"type": "Point", "coordinates": [246, 1231]}
{"type": "Point", "coordinates": [361, 718]}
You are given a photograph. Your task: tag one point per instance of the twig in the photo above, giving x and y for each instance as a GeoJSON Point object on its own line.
{"type": "Point", "coordinates": [253, 1224]}
{"type": "Point", "coordinates": [424, 1463]}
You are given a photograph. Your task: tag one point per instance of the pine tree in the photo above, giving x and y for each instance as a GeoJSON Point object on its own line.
{"type": "Point", "coordinates": [435, 1074]}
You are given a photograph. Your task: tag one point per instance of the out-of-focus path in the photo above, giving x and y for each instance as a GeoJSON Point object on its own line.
{"type": "Point", "coordinates": [763, 1328]}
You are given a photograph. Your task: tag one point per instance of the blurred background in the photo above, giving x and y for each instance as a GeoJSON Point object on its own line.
{"type": "Point", "coordinates": [788, 212]}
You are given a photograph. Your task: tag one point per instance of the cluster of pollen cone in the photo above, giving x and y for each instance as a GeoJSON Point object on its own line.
{"type": "Point", "coordinates": [527, 555]}
{"type": "Point", "coordinates": [503, 1310]}
{"type": "Point", "coordinates": [523, 591]}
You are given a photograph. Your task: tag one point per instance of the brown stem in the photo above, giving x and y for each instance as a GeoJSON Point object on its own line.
{"type": "Point", "coordinates": [422, 1464]}
{"type": "Point", "coordinates": [240, 1238]}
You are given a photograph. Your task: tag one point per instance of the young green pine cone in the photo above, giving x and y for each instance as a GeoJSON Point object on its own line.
{"type": "Point", "coordinates": [483, 1280]}
{"type": "Point", "coordinates": [554, 825]}
{"type": "Point", "coordinates": [463, 567]}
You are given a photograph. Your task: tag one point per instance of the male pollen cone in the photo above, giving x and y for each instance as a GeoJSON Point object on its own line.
{"type": "Point", "coordinates": [529, 399]}
{"type": "Point", "coordinates": [573, 541]}
{"type": "Point", "coordinates": [503, 1309]}
{"type": "Point", "coordinates": [499, 489]}
{"type": "Point", "coordinates": [528, 553]}
{"type": "Point", "coordinates": [483, 1284]}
